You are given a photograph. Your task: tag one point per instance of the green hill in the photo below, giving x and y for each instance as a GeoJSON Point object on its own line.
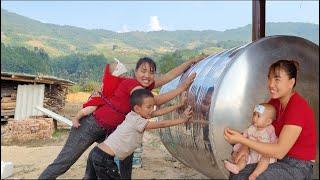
{"type": "Point", "coordinates": [56, 40]}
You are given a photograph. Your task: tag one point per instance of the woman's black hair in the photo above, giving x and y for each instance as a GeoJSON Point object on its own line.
{"type": "Point", "coordinates": [153, 67]}
{"type": "Point", "coordinates": [289, 66]}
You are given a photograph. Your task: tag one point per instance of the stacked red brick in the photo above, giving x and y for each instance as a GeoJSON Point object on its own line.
{"type": "Point", "coordinates": [26, 130]}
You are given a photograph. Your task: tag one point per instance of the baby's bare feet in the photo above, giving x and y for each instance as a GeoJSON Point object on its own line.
{"type": "Point", "coordinates": [231, 167]}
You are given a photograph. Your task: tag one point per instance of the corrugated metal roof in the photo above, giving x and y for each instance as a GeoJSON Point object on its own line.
{"type": "Point", "coordinates": [34, 78]}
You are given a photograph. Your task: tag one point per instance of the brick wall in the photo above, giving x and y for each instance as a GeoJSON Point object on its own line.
{"type": "Point", "coordinates": [25, 130]}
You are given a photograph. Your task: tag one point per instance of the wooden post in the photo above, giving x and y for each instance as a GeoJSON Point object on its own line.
{"type": "Point", "coordinates": [55, 124]}
{"type": "Point", "coordinates": [258, 19]}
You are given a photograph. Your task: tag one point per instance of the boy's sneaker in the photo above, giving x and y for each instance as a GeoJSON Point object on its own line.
{"type": "Point", "coordinates": [136, 163]}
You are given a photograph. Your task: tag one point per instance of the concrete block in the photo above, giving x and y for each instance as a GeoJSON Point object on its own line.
{"type": "Point", "coordinates": [6, 169]}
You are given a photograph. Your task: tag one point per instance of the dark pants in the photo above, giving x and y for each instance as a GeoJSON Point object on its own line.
{"type": "Point", "coordinates": [287, 168]}
{"type": "Point", "coordinates": [77, 143]}
{"type": "Point", "coordinates": [101, 165]}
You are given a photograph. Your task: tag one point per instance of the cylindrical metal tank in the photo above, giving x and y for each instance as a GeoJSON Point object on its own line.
{"type": "Point", "coordinates": [223, 94]}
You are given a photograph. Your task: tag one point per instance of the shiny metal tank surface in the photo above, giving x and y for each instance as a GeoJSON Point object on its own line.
{"type": "Point", "coordinates": [223, 94]}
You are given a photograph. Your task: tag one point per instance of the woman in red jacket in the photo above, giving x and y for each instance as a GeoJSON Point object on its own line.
{"type": "Point", "coordinates": [294, 126]}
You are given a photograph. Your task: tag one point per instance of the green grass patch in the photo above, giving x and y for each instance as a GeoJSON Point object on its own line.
{"type": "Point", "coordinates": [59, 133]}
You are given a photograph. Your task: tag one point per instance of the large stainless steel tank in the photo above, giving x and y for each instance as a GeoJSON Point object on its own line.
{"type": "Point", "coordinates": [223, 94]}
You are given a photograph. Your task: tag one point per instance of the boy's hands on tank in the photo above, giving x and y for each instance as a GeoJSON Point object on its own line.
{"type": "Point", "coordinates": [187, 114]}
{"type": "Point", "coordinates": [188, 81]}
{"type": "Point", "coordinates": [183, 101]}
{"type": "Point", "coordinates": [184, 97]}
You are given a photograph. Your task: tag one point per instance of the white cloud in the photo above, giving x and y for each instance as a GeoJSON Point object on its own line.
{"type": "Point", "coordinates": [124, 29]}
{"type": "Point", "coordinates": [155, 24]}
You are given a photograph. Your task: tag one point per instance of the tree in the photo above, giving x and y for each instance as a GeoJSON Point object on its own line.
{"type": "Point", "coordinates": [171, 60]}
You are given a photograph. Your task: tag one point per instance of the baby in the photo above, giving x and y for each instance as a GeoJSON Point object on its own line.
{"type": "Point", "coordinates": [261, 130]}
{"type": "Point", "coordinates": [113, 75]}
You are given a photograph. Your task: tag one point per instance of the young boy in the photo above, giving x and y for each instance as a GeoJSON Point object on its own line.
{"type": "Point", "coordinates": [261, 130]}
{"type": "Point", "coordinates": [113, 75]}
{"type": "Point", "coordinates": [128, 135]}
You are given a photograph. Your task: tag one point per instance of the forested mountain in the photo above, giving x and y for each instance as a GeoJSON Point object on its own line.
{"type": "Point", "coordinates": [21, 59]}
{"type": "Point", "coordinates": [59, 40]}
{"type": "Point", "coordinates": [75, 67]}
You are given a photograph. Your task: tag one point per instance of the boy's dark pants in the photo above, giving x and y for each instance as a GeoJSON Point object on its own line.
{"type": "Point", "coordinates": [79, 140]}
{"type": "Point", "coordinates": [101, 165]}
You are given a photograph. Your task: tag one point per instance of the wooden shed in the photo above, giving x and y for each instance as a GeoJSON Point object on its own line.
{"type": "Point", "coordinates": [21, 93]}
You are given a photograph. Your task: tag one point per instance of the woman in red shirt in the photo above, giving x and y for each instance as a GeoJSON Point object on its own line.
{"type": "Point", "coordinates": [107, 116]}
{"type": "Point", "coordinates": [294, 126]}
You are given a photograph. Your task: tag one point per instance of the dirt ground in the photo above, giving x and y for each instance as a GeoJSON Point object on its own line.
{"type": "Point", "coordinates": [31, 158]}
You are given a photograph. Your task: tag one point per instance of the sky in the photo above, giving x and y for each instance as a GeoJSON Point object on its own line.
{"type": "Point", "coordinates": [125, 16]}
